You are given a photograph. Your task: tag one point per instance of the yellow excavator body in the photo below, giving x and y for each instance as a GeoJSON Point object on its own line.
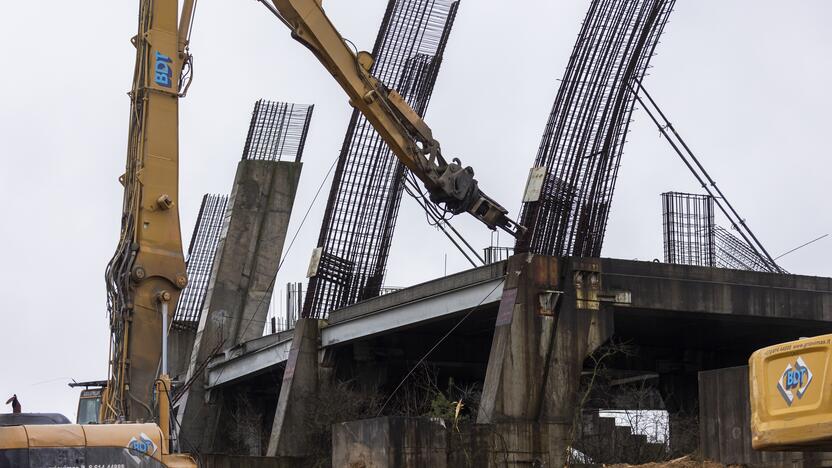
{"type": "Point", "coordinates": [791, 402]}
{"type": "Point", "coordinates": [87, 445]}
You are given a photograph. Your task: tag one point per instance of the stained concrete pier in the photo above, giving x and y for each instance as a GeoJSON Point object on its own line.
{"type": "Point", "coordinates": [238, 297]}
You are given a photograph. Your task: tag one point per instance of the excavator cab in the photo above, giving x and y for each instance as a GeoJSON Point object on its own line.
{"type": "Point", "coordinates": [89, 403]}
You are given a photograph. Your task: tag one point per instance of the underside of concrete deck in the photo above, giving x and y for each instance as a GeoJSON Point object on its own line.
{"type": "Point", "coordinates": [660, 306]}
{"type": "Point", "coordinates": [675, 320]}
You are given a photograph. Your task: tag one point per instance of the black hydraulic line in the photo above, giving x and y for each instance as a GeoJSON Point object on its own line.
{"type": "Point", "coordinates": [274, 11]}
{"type": "Point", "coordinates": [663, 129]}
{"type": "Point", "coordinates": [441, 224]}
{"type": "Point", "coordinates": [450, 238]}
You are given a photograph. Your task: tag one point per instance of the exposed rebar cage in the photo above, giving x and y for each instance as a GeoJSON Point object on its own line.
{"type": "Point", "coordinates": [691, 236]}
{"type": "Point", "coordinates": [749, 239]}
{"type": "Point", "coordinates": [200, 261]}
{"type": "Point", "coordinates": [688, 229]}
{"type": "Point", "coordinates": [732, 252]}
{"type": "Point", "coordinates": [277, 131]}
{"type": "Point", "coordinates": [585, 134]}
{"type": "Point", "coordinates": [366, 191]}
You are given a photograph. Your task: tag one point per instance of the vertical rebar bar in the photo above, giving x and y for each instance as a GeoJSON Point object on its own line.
{"type": "Point", "coordinates": [366, 192]}
{"type": "Point", "coordinates": [584, 137]}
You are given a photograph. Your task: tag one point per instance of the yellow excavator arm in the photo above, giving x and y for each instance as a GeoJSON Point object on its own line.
{"type": "Point", "coordinates": [407, 135]}
{"type": "Point", "coordinates": [147, 271]}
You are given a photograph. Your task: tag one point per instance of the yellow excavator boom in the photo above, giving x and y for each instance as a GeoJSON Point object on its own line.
{"type": "Point", "coordinates": [407, 135]}
{"type": "Point", "coordinates": [148, 267]}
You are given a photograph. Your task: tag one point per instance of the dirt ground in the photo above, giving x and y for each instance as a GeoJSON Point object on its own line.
{"type": "Point", "coordinates": [683, 462]}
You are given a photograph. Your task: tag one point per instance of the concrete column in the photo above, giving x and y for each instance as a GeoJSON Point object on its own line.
{"type": "Point", "coordinates": [239, 292]}
{"type": "Point", "coordinates": [548, 322]}
{"type": "Point", "coordinates": [297, 392]}
{"type": "Point", "coordinates": [522, 342]}
{"type": "Point", "coordinates": [180, 344]}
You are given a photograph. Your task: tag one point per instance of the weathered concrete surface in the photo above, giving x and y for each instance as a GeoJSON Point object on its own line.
{"type": "Point", "coordinates": [211, 460]}
{"type": "Point", "coordinates": [404, 309]}
{"type": "Point", "coordinates": [678, 319]}
{"type": "Point", "coordinates": [666, 302]}
{"type": "Point", "coordinates": [398, 442]}
{"type": "Point", "coordinates": [180, 344]}
{"type": "Point", "coordinates": [545, 328]}
{"type": "Point", "coordinates": [238, 295]}
{"type": "Point", "coordinates": [300, 384]}
{"type": "Point", "coordinates": [725, 429]}
{"type": "Point", "coordinates": [719, 291]}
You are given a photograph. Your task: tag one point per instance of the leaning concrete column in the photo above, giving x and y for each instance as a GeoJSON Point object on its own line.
{"type": "Point", "coordinates": [297, 393]}
{"type": "Point", "coordinates": [241, 282]}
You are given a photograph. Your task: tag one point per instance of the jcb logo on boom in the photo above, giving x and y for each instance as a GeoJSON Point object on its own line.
{"type": "Point", "coordinates": [163, 71]}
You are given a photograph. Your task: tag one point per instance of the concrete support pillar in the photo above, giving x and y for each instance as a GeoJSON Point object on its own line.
{"type": "Point", "coordinates": [239, 292]}
{"type": "Point", "coordinates": [180, 344]}
{"type": "Point", "coordinates": [548, 322]}
{"type": "Point", "coordinates": [297, 392]}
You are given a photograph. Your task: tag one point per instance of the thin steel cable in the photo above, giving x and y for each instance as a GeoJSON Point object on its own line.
{"type": "Point", "coordinates": [436, 345]}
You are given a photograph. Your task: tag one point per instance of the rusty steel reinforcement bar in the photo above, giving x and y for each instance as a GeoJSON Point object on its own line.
{"type": "Point", "coordinates": [580, 152]}
{"type": "Point", "coordinates": [277, 131]}
{"type": "Point", "coordinates": [698, 170]}
{"type": "Point", "coordinates": [688, 229]}
{"type": "Point", "coordinates": [363, 204]}
{"type": "Point", "coordinates": [200, 261]}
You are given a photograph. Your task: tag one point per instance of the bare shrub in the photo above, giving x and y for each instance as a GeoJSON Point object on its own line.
{"type": "Point", "coordinates": [335, 403]}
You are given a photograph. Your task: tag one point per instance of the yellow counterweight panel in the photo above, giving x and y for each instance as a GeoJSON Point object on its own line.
{"type": "Point", "coordinates": [13, 437]}
{"type": "Point", "coordinates": [55, 435]}
{"type": "Point", "coordinates": [75, 435]}
{"type": "Point", "coordinates": [121, 435]}
{"type": "Point", "coordinates": [791, 404]}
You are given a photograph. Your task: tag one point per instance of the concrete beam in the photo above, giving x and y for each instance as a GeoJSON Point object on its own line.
{"type": "Point", "coordinates": [403, 309]}
{"type": "Point", "coordinates": [240, 288]}
{"type": "Point", "coordinates": [719, 291]}
{"type": "Point", "coordinates": [413, 313]}
{"type": "Point", "coordinates": [248, 364]}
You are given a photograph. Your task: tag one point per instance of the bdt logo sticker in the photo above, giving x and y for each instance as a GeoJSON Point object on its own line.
{"type": "Point", "coordinates": [163, 73]}
{"type": "Point", "coordinates": [794, 381]}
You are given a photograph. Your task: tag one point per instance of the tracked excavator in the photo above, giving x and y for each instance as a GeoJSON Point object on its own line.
{"type": "Point", "coordinates": [147, 272]}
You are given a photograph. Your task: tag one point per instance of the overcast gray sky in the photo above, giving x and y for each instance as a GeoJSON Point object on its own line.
{"type": "Point", "coordinates": [746, 82]}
